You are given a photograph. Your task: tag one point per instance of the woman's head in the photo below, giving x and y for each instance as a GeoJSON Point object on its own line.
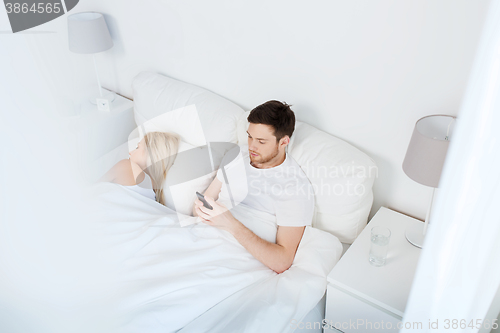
{"type": "Point", "coordinates": [140, 154]}
{"type": "Point", "coordinates": [156, 153]}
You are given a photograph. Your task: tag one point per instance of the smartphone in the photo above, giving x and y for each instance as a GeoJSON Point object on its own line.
{"type": "Point", "coordinates": [202, 199]}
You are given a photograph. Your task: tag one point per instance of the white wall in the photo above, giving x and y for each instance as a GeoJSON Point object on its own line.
{"type": "Point", "coordinates": [362, 70]}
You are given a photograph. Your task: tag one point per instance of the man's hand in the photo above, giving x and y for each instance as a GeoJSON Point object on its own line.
{"type": "Point", "coordinates": [219, 216]}
{"type": "Point", "coordinates": [277, 256]}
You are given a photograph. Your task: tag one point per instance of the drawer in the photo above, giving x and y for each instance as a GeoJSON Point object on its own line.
{"type": "Point", "coordinates": [347, 313]}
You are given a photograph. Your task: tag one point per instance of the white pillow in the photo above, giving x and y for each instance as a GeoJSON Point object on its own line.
{"type": "Point", "coordinates": [200, 117]}
{"type": "Point", "coordinates": [183, 121]}
{"type": "Point", "coordinates": [155, 95]}
{"type": "Point", "coordinates": [342, 177]}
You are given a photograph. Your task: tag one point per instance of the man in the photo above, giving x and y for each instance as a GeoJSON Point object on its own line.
{"type": "Point", "coordinates": [274, 183]}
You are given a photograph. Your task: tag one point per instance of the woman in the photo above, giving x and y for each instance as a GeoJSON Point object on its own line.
{"type": "Point", "coordinates": [146, 169]}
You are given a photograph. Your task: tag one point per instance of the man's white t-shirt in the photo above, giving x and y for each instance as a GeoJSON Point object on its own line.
{"type": "Point", "coordinates": [284, 190]}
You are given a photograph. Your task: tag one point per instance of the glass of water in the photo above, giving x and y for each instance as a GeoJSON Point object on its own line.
{"type": "Point", "coordinates": [380, 237]}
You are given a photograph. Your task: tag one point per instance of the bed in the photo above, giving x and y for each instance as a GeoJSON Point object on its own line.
{"type": "Point", "coordinates": [224, 289]}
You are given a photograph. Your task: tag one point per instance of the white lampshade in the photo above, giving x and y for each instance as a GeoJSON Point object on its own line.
{"type": "Point", "coordinates": [426, 152]}
{"type": "Point", "coordinates": [88, 33]}
{"type": "Point", "coordinates": [424, 161]}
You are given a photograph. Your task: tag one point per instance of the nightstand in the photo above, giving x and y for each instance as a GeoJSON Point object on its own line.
{"type": "Point", "coordinates": [365, 298]}
{"type": "Point", "coordinates": [100, 132]}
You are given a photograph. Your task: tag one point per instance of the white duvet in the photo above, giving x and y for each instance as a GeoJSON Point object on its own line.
{"type": "Point", "coordinates": [199, 278]}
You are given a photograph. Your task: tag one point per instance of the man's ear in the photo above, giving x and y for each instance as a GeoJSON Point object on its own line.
{"type": "Point", "coordinates": [285, 141]}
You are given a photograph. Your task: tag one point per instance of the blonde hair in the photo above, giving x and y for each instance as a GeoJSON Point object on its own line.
{"type": "Point", "coordinates": [162, 150]}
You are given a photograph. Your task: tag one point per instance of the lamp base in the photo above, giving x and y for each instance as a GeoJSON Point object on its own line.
{"type": "Point", "coordinates": [415, 235]}
{"type": "Point", "coordinates": [110, 96]}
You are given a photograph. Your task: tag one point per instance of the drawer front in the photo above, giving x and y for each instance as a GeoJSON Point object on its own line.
{"type": "Point", "coordinates": [347, 313]}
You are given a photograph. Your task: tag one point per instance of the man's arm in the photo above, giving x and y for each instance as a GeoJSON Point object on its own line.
{"type": "Point", "coordinates": [212, 192]}
{"type": "Point", "coordinates": [279, 257]}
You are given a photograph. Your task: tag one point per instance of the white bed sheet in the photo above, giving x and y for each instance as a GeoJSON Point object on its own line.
{"type": "Point", "coordinates": [199, 278]}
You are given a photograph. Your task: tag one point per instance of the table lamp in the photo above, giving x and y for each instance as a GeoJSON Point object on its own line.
{"type": "Point", "coordinates": [424, 161]}
{"type": "Point", "coordinates": [89, 34]}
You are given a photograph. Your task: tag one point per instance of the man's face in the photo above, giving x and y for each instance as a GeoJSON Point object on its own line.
{"type": "Point", "coordinates": [262, 144]}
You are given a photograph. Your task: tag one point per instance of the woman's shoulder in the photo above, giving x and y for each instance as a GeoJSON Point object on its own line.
{"type": "Point", "coordinates": [124, 173]}
{"type": "Point", "coordinates": [121, 173]}
{"type": "Point", "coordinates": [123, 164]}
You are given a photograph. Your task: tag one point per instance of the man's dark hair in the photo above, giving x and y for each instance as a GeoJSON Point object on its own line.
{"type": "Point", "coordinates": [276, 114]}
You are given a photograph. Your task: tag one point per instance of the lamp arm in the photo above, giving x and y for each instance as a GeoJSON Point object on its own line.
{"type": "Point", "coordinates": [429, 212]}
{"type": "Point", "coordinates": [97, 75]}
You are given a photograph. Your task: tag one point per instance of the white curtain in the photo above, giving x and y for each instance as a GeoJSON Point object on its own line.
{"type": "Point", "coordinates": [458, 274]}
